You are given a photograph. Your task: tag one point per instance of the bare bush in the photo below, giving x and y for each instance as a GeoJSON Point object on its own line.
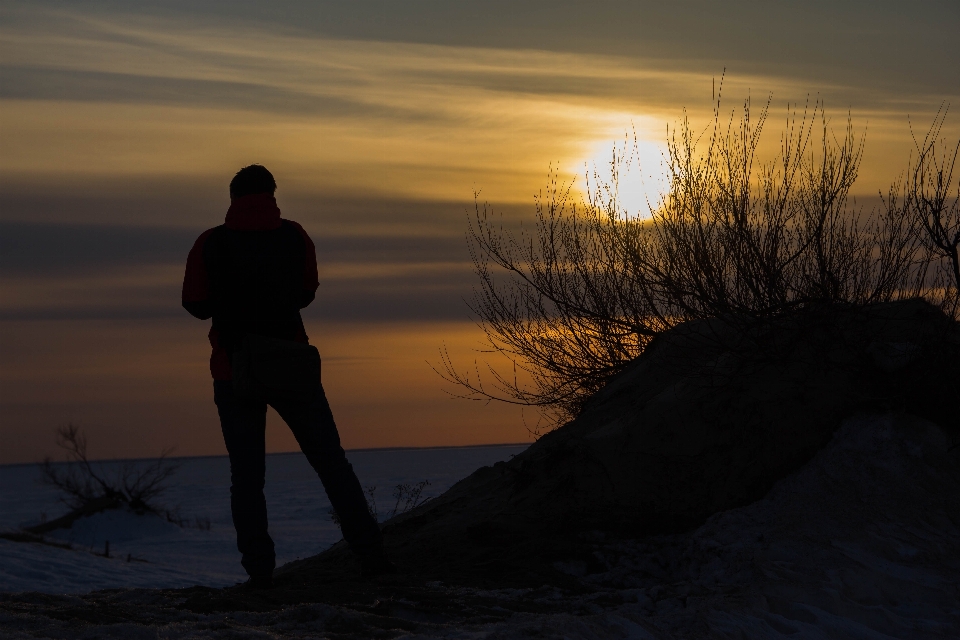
{"type": "Point", "coordinates": [936, 208]}
{"type": "Point", "coordinates": [730, 241]}
{"type": "Point", "coordinates": [407, 496]}
{"type": "Point", "coordinates": [570, 301]}
{"type": "Point", "coordinates": [135, 485]}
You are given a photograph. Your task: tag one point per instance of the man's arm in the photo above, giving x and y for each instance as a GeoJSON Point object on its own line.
{"type": "Point", "coordinates": [196, 283]}
{"type": "Point", "coordinates": [311, 280]}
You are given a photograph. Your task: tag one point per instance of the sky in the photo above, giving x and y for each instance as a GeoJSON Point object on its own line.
{"type": "Point", "coordinates": [121, 124]}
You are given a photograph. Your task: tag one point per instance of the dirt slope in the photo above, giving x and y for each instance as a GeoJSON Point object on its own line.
{"type": "Point", "coordinates": [709, 418]}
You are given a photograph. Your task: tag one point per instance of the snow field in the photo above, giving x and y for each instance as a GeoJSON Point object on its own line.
{"type": "Point", "coordinates": [164, 555]}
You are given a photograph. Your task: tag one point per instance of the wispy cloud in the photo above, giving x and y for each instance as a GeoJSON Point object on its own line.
{"type": "Point", "coordinates": [71, 272]}
{"type": "Point", "coordinates": [90, 93]}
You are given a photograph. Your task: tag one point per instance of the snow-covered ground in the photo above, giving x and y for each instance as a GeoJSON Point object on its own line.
{"type": "Point", "coordinates": [862, 542]}
{"type": "Point", "coordinates": [148, 551]}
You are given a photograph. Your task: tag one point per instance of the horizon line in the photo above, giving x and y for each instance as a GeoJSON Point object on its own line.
{"type": "Point", "coordinates": [286, 453]}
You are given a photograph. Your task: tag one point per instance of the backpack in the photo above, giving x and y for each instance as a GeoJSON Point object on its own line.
{"type": "Point", "coordinates": [269, 369]}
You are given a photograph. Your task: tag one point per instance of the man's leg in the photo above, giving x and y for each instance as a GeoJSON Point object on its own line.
{"type": "Point", "coordinates": [312, 424]}
{"type": "Point", "coordinates": [243, 427]}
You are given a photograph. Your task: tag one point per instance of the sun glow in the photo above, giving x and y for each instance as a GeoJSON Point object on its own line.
{"type": "Point", "coordinates": [632, 173]}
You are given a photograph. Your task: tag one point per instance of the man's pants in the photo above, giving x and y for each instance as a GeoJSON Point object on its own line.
{"type": "Point", "coordinates": [244, 425]}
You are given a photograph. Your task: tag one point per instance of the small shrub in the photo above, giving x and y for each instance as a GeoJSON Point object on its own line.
{"type": "Point", "coordinates": [87, 488]}
{"type": "Point", "coordinates": [406, 496]}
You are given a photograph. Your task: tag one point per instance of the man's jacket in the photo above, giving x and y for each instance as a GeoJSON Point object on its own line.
{"type": "Point", "coordinates": [251, 274]}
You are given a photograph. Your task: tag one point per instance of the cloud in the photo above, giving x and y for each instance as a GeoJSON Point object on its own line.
{"type": "Point", "coordinates": [346, 106]}
{"type": "Point", "coordinates": [860, 42]}
{"type": "Point", "coordinates": [75, 249]}
{"type": "Point", "coordinates": [33, 83]}
{"type": "Point", "coordinates": [72, 272]}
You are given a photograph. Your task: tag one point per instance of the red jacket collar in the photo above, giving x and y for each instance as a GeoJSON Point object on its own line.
{"type": "Point", "coordinates": [258, 212]}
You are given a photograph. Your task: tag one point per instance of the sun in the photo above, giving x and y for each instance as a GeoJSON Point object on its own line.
{"type": "Point", "coordinates": [641, 170]}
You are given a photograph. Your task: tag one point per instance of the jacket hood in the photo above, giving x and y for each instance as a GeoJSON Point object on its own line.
{"type": "Point", "coordinates": [257, 212]}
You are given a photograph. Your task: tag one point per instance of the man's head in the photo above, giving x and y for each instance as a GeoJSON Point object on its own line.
{"type": "Point", "coordinates": [251, 180]}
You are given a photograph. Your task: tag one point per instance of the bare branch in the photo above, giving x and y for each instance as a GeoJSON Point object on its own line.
{"type": "Point", "coordinates": [568, 302]}
{"type": "Point", "coordinates": [137, 485]}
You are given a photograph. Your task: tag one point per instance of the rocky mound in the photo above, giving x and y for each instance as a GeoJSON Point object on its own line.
{"type": "Point", "coordinates": [709, 418]}
{"type": "Point", "coordinates": [713, 414]}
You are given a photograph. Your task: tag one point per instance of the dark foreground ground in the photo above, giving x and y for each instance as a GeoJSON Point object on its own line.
{"type": "Point", "coordinates": [862, 542]}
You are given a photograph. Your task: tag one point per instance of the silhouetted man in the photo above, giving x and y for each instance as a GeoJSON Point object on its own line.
{"type": "Point", "coordinates": [252, 275]}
